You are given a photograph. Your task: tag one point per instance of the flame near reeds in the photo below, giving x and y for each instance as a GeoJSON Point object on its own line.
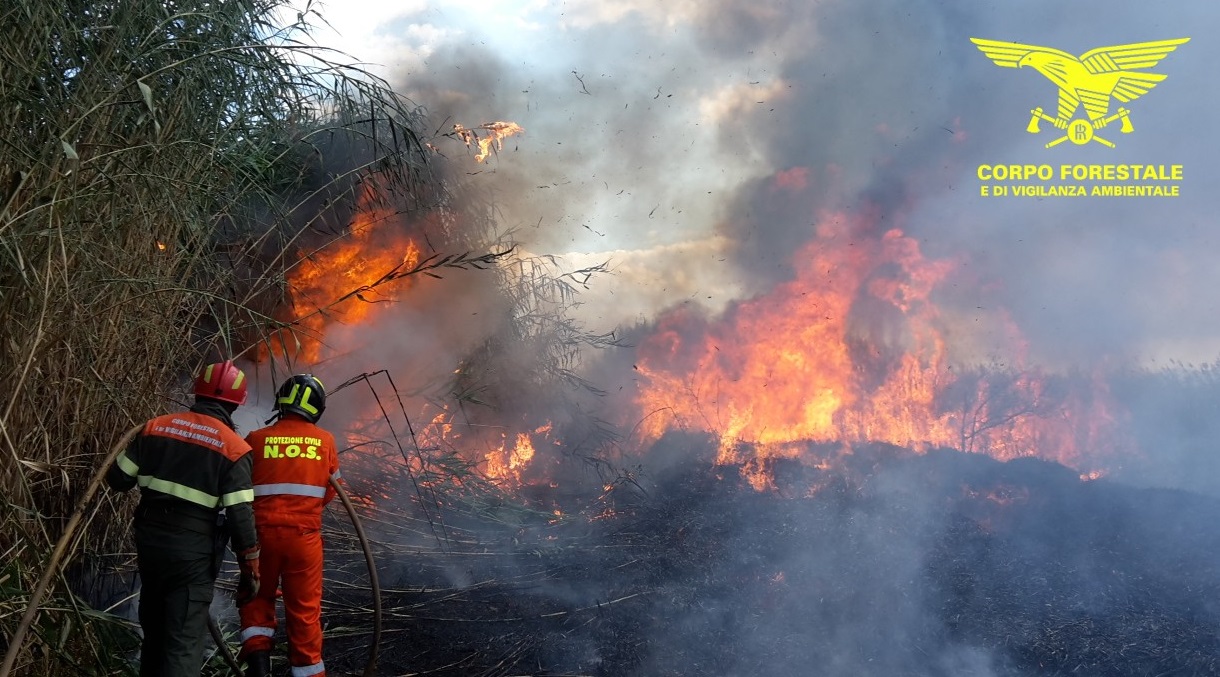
{"type": "Point", "coordinates": [852, 349]}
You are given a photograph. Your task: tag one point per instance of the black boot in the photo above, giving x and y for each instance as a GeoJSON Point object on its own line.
{"type": "Point", "coordinates": [258, 664]}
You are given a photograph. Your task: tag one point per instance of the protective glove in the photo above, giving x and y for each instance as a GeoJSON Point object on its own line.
{"type": "Point", "coordinates": [248, 579]}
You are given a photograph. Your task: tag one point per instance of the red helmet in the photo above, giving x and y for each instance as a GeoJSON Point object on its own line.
{"type": "Point", "coordinates": [222, 381]}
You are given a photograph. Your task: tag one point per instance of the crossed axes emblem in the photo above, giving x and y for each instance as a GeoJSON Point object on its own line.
{"type": "Point", "coordinates": [1079, 132]}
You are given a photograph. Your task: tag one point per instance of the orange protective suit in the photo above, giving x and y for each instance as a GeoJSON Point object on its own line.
{"type": "Point", "coordinates": [294, 461]}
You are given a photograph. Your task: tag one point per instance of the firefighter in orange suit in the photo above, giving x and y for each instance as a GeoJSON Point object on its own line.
{"type": "Point", "coordinates": [189, 466]}
{"type": "Point", "coordinates": [294, 461]}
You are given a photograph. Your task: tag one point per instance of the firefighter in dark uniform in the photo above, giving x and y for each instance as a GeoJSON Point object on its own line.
{"type": "Point", "coordinates": [189, 466]}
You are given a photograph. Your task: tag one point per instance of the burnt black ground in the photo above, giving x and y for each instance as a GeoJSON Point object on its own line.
{"type": "Point", "coordinates": [899, 564]}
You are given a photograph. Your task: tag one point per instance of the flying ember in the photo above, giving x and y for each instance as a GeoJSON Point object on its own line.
{"type": "Point", "coordinates": [493, 138]}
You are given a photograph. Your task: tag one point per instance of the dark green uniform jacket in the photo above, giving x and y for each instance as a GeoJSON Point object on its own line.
{"type": "Point", "coordinates": [189, 466]}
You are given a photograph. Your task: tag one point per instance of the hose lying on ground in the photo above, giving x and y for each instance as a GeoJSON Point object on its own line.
{"type": "Point", "coordinates": [221, 644]}
{"type": "Point", "coordinates": [375, 587]}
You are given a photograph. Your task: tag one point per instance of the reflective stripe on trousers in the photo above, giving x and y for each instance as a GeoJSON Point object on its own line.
{"type": "Point", "coordinates": [308, 670]}
{"type": "Point", "coordinates": [257, 631]}
{"type": "Point", "coordinates": [292, 560]}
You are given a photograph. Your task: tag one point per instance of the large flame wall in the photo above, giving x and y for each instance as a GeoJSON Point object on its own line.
{"type": "Point", "coordinates": [853, 349]}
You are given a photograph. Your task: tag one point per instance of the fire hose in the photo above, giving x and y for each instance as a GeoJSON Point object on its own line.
{"type": "Point", "coordinates": [61, 547]}
{"type": "Point", "coordinates": [375, 587]}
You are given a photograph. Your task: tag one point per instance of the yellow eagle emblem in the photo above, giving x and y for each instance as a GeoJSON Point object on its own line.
{"type": "Point", "coordinates": [1091, 79]}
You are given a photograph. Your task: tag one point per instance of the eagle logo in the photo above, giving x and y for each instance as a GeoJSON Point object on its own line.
{"type": "Point", "coordinates": [1091, 79]}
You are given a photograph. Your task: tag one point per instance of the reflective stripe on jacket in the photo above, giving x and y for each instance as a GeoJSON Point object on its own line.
{"type": "Point", "coordinates": [190, 464]}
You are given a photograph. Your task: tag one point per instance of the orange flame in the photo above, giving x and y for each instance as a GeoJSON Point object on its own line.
{"type": "Point", "coordinates": [505, 463]}
{"type": "Point", "coordinates": [851, 350]}
{"type": "Point", "coordinates": [503, 457]}
{"type": "Point", "coordinates": [339, 281]}
{"type": "Point", "coordinates": [508, 465]}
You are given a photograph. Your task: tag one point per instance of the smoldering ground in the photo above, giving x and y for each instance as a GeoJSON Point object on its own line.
{"type": "Point", "coordinates": [941, 564]}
